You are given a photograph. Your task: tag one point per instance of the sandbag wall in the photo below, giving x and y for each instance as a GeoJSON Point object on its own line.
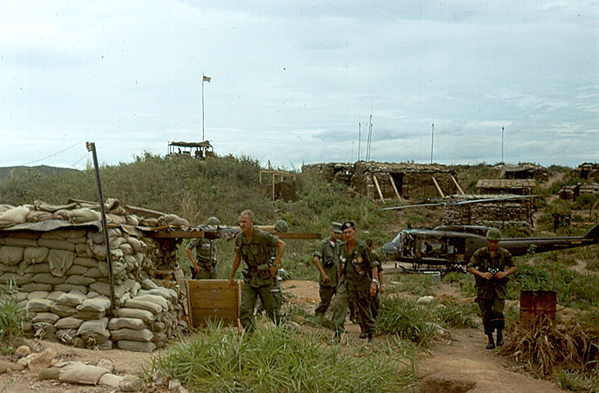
{"type": "Point", "coordinates": [63, 280]}
{"type": "Point", "coordinates": [499, 214]}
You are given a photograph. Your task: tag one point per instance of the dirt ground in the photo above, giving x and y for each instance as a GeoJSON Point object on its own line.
{"type": "Point", "coordinates": [457, 363]}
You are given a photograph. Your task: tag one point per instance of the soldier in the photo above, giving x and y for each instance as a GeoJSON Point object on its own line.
{"type": "Point", "coordinates": [361, 272]}
{"type": "Point", "coordinates": [253, 246]}
{"type": "Point", "coordinates": [281, 226]}
{"type": "Point", "coordinates": [491, 267]}
{"type": "Point", "coordinates": [375, 299]}
{"type": "Point", "coordinates": [204, 263]}
{"type": "Point", "coordinates": [327, 251]}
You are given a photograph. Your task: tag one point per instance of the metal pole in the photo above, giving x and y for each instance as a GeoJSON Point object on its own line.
{"type": "Point", "coordinates": [502, 133]}
{"type": "Point", "coordinates": [92, 148]}
{"type": "Point", "coordinates": [359, 139]}
{"type": "Point", "coordinates": [203, 77]}
{"type": "Point", "coordinates": [432, 141]}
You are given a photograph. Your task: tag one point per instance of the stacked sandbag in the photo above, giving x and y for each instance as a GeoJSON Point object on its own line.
{"type": "Point", "coordinates": [145, 321]}
{"type": "Point", "coordinates": [142, 323]}
{"type": "Point", "coordinates": [62, 275]}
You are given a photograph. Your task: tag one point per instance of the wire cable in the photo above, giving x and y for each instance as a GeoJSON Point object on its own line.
{"type": "Point", "coordinates": [52, 155]}
{"type": "Point", "coordinates": [79, 160]}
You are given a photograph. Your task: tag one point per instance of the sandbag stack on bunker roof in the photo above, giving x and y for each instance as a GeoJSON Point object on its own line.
{"type": "Point", "coordinates": [62, 275]}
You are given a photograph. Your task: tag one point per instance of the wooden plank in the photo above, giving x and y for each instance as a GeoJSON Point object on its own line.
{"type": "Point", "coordinates": [395, 188]}
{"type": "Point", "coordinates": [378, 188]}
{"type": "Point", "coordinates": [188, 302]}
{"type": "Point", "coordinates": [438, 188]}
{"type": "Point", "coordinates": [180, 278]}
{"type": "Point", "coordinates": [176, 234]}
{"type": "Point", "coordinates": [305, 236]}
{"type": "Point", "coordinates": [214, 300]}
{"type": "Point", "coordinates": [457, 185]}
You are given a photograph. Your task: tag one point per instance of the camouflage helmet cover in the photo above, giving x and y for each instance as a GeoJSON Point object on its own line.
{"type": "Point", "coordinates": [212, 221]}
{"type": "Point", "coordinates": [281, 226]}
{"type": "Point", "coordinates": [493, 234]}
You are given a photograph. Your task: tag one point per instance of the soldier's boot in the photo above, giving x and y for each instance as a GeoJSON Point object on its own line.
{"type": "Point", "coordinates": [364, 334]}
{"type": "Point", "coordinates": [370, 338]}
{"type": "Point", "coordinates": [499, 338]}
{"type": "Point", "coordinates": [491, 344]}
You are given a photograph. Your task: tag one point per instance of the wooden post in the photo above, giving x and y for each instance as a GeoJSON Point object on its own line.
{"type": "Point", "coordinates": [378, 188]}
{"type": "Point", "coordinates": [438, 188]}
{"type": "Point", "coordinates": [457, 185]}
{"type": "Point", "coordinates": [395, 188]}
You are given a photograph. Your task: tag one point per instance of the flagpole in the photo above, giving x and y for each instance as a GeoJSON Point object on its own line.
{"type": "Point", "coordinates": [203, 78]}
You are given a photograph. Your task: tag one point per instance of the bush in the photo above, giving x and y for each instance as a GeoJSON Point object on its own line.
{"type": "Point", "coordinates": [11, 319]}
{"type": "Point", "coordinates": [275, 360]}
{"type": "Point", "coordinates": [404, 318]}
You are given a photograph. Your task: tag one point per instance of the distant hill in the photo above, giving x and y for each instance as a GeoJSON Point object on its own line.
{"type": "Point", "coordinates": [6, 173]}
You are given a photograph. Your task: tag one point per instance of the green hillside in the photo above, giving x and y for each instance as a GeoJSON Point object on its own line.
{"type": "Point", "coordinates": [11, 172]}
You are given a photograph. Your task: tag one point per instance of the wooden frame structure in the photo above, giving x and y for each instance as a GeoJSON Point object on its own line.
{"type": "Point", "coordinates": [274, 174]}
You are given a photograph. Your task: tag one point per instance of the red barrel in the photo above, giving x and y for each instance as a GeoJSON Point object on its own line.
{"type": "Point", "coordinates": [537, 307]}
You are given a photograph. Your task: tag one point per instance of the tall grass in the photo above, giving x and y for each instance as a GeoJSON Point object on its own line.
{"type": "Point", "coordinates": [11, 319]}
{"type": "Point", "coordinates": [418, 323]}
{"type": "Point", "coordinates": [274, 360]}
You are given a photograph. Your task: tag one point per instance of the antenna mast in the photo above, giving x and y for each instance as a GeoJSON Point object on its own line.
{"type": "Point", "coordinates": [502, 133]}
{"type": "Point", "coordinates": [369, 139]}
{"type": "Point", "coordinates": [432, 141]}
{"type": "Point", "coordinates": [359, 139]}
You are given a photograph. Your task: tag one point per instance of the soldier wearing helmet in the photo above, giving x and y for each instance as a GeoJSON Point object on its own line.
{"type": "Point", "coordinates": [491, 267]}
{"type": "Point", "coordinates": [203, 265]}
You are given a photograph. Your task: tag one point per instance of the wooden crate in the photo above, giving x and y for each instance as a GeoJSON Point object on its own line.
{"type": "Point", "coordinates": [214, 300]}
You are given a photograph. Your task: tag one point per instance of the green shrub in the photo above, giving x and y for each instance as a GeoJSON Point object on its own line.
{"type": "Point", "coordinates": [404, 318]}
{"type": "Point", "coordinates": [11, 319]}
{"type": "Point", "coordinates": [573, 289]}
{"type": "Point", "coordinates": [275, 360]}
{"type": "Point", "coordinates": [416, 284]}
{"type": "Point", "coordinates": [457, 315]}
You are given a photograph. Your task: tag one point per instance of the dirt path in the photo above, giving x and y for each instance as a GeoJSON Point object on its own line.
{"type": "Point", "coordinates": [462, 364]}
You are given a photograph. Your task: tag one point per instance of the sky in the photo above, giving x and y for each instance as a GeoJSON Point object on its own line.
{"type": "Point", "coordinates": [300, 82]}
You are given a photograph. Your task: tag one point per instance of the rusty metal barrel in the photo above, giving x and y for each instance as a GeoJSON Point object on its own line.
{"type": "Point", "coordinates": [537, 307]}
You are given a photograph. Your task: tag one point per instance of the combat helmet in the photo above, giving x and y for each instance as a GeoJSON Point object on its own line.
{"type": "Point", "coordinates": [281, 226]}
{"type": "Point", "coordinates": [493, 234]}
{"type": "Point", "coordinates": [212, 221]}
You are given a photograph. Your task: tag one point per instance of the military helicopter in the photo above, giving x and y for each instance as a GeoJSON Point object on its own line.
{"type": "Point", "coordinates": [450, 247]}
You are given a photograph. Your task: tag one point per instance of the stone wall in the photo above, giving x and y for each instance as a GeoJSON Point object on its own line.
{"type": "Point", "coordinates": [413, 181]}
{"type": "Point", "coordinates": [516, 214]}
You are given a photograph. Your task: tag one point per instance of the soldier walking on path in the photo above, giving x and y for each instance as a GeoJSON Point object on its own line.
{"type": "Point", "coordinates": [326, 260]}
{"type": "Point", "coordinates": [254, 246]}
{"type": "Point", "coordinates": [491, 267]}
{"type": "Point", "coordinates": [361, 272]}
{"type": "Point", "coordinates": [203, 265]}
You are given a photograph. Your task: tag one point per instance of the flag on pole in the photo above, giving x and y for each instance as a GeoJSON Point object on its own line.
{"type": "Point", "coordinates": [206, 79]}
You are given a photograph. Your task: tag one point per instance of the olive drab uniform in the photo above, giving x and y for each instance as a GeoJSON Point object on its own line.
{"type": "Point", "coordinates": [490, 294]}
{"type": "Point", "coordinates": [205, 256]}
{"type": "Point", "coordinates": [375, 304]}
{"type": "Point", "coordinates": [276, 290]}
{"type": "Point", "coordinates": [328, 253]}
{"type": "Point", "coordinates": [356, 267]}
{"type": "Point", "coordinates": [257, 282]}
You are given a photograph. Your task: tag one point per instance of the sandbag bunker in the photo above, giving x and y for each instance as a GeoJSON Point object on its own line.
{"type": "Point", "coordinates": [57, 258]}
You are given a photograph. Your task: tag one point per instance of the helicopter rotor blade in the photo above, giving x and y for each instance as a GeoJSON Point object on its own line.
{"type": "Point", "coordinates": [414, 206]}
{"type": "Point", "coordinates": [448, 202]}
